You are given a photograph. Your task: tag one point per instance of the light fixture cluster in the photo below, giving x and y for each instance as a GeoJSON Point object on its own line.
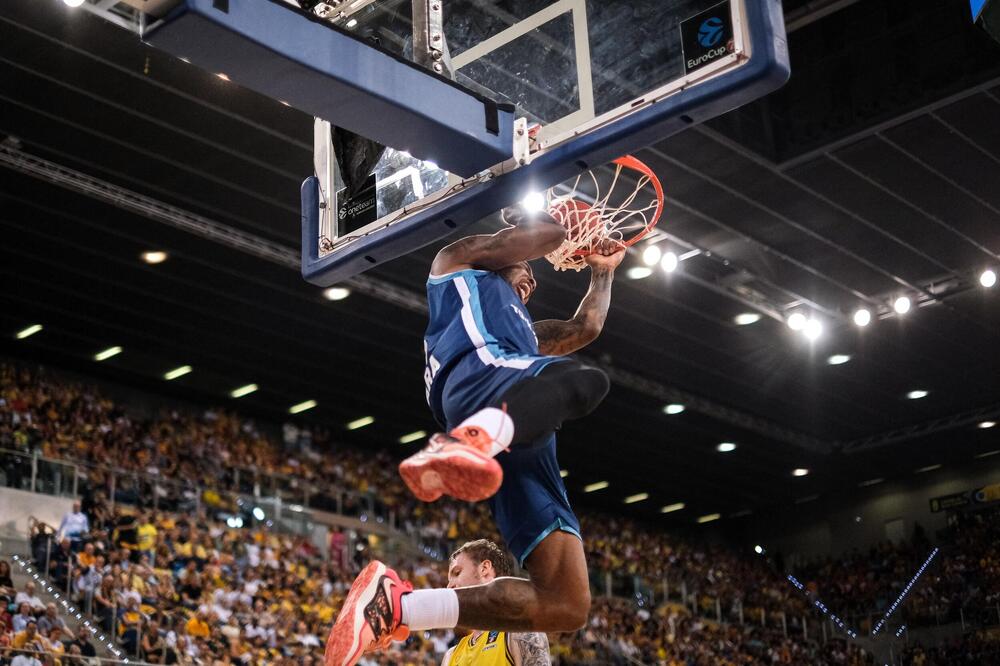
{"type": "Point", "coordinates": [652, 256]}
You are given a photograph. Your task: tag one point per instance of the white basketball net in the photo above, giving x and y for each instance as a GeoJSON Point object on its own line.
{"type": "Point", "coordinates": [588, 224]}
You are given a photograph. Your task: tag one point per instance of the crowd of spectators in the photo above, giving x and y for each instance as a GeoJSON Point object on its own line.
{"type": "Point", "coordinates": [147, 555]}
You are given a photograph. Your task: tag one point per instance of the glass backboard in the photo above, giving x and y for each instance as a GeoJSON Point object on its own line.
{"type": "Point", "coordinates": [570, 68]}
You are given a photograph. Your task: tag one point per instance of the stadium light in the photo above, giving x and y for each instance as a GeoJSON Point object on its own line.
{"type": "Point", "coordinates": [73, 3]}
{"type": "Point", "coordinates": [983, 425]}
{"type": "Point", "coordinates": [838, 359]}
{"type": "Point", "coordinates": [862, 317]}
{"type": "Point", "coordinates": [336, 293]}
{"type": "Point", "coordinates": [563, 473]}
{"type": "Point", "coordinates": [746, 318]}
{"type": "Point", "coordinates": [154, 257]}
{"type": "Point", "coordinates": [796, 321]}
{"type": "Point", "coordinates": [28, 332]}
{"type": "Point", "coordinates": [988, 278]}
{"type": "Point", "coordinates": [917, 394]}
{"type": "Point", "coordinates": [258, 513]}
{"type": "Point", "coordinates": [670, 508]}
{"type": "Point", "coordinates": [302, 406]}
{"type": "Point", "coordinates": [673, 408]}
{"type": "Point", "coordinates": [361, 423]}
{"type": "Point", "coordinates": [242, 391]}
{"type": "Point", "coordinates": [813, 329]}
{"type": "Point", "coordinates": [928, 468]}
{"type": "Point", "coordinates": [902, 305]}
{"type": "Point", "coordinates": [413, 436]}
{"type": "Point", "coordinates": [651, 255]}
{"type": "Point", "coordinates": [107, 353]}
{"type": "Point", "coordinates": [709, 518]}
{"type": "Point", "coordinates": [178, 372]}
{"type": "Point", "coordinates": [638, 497]}
{"type": "Point", "coordinates": [800, 471]}
{"type": "Point", "coordinates": [533, 203]}
{"type": "Point", "coordinates": [759, 549]}
{"type": "Point", "coordinates": [639, 272]}
{"type": "Point", "coordinates": [593, 487]}
{"type": "Point", "coordinates": [726, 447]}
{"type": "Point", "coordinates": [669, 262]}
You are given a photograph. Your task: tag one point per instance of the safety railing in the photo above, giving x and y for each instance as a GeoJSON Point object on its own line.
{"type": "Point", "coordinates": [37, 474]}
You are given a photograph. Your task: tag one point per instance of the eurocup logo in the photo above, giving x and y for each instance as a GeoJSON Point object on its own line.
{"type": "Point", "coordinates": [710, 32]}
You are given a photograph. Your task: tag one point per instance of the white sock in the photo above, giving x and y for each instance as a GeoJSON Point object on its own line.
{"type": "Point", "coordinates": [430, 609]}
{"type": "Point", "coordinates": [497, 425]}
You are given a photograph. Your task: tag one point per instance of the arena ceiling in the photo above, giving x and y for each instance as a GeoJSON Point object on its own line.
{"type": "Point", "coordinates": [809, 199]}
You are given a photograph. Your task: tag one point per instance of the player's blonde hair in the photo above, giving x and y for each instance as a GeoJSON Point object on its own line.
{"type": "Point", "coordinates": [482, 550]}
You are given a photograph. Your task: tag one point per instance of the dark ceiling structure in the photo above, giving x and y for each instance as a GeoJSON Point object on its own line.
{"type": "Point", "coordinates": [874, 174]}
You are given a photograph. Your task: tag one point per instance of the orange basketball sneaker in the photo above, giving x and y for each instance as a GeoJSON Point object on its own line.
{"type": "Point", "coordinates": [371, 616]}
{"type": "Point", "coordinates": [456, 464]}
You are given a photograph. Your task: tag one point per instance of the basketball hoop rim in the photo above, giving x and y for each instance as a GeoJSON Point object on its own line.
{"type": "Point", "coordinates": [633, 163]}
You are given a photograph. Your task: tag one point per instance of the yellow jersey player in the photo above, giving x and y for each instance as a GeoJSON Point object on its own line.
{"type": "Point", "coordinates": [476, 563]}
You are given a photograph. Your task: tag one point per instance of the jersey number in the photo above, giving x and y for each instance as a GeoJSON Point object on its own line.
{"type": "Point", "coordinates": [431, 367]}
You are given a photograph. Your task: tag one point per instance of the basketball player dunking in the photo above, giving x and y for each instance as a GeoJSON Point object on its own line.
{"type": "Point", "coordinates": [498, 383]}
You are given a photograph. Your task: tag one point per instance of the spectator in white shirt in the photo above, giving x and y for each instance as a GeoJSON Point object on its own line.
{"type": "Point", "coordinates": [25, 658]}
{"type": "Point", "coordinates": [27, 596]}
{"type": "Point", "coordinates": [74, 524]}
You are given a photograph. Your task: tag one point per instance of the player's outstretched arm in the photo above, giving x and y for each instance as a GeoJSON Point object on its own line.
{"type": "Point", "coordinates": [530, 236]}
{"type": "Point", "coordinates": [558, 338]}
{"type": "Point", "coordinates": [530, 649]}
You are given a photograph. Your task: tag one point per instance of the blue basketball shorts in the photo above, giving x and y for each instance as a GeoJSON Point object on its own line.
{"type": "Point", "coordinates": [532, 502]}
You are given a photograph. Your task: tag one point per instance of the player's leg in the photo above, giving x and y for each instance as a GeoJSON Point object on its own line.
{"type": "Point", "coordinates": [524, 408]}
{"type": "Point", "coordinates": [380, 607]}
{"type": "Point", "coordinates": [539, 405]}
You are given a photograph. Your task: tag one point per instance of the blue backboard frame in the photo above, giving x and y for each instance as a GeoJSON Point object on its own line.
{"type": "Point", "coordinates": [767, 69]}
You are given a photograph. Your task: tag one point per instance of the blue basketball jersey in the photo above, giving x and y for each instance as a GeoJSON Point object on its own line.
{"type": "Point", "coordinates": [475, 312]}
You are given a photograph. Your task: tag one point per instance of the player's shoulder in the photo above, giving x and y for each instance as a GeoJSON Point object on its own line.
{"type": "Point", "coordinates": [528, 648]}
{"type": "Point", "coordinates": [448, 276]}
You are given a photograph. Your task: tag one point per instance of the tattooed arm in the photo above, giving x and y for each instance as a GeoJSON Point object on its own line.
{"type": "Point", "coordinates": [558, 338]}
{"type": "Point", "coordinates": [531, 649]}
{"type": "Point", "coordinates": [529, 236]}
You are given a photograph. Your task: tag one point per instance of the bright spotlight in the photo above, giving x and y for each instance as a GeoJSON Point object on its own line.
{"type": "Point", "coordinates": [988, 278]}
{"type": "Point", "coordinates": [800, 471]}
{"type": "Point", "coordinates": [336, 293]}
{"type": "Point", "coordinates": [862, 317]}
{"type": "Point", "coordinates": [533, 203]}
{"type": "Point", "coordinates": [638, 272]}
{"type": "Point", "coordinates": [669, 262]}
{"type": "Point", "coordinates": [985, 425]}
{"type": "Point", "coordinates": [796, 321]}
{"type": "Point", "coordinates": [838, 359]}
{"type": "Point", "coordinates": [725, 447]}
{"type": "Point", "coordinates": [746, 318]}
{"type": "Point", "coordinates": [73, 3]}
{"type": "Point", "coordinates": [917, 394]}
{"type": "Point", "coordinates": [813, 329]}
{"type": "Point", "coordinates": [154, 257]}
{"type": "Point", "coordinates": [902, 305]}
{"type": "Point", "coordinates": [673, 408]}
{"type": "Point", "coordinates": [651, 255]}
{"type": "Point", "coordinates": [758, 549]}
{"type": "Point", "coordinates": [258, 513]}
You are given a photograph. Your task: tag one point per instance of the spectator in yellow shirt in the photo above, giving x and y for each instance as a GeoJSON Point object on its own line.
{"type": "Point", "coordinates": [197, 626]}
{"type": "Point", "coordinates": [147, 537]}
